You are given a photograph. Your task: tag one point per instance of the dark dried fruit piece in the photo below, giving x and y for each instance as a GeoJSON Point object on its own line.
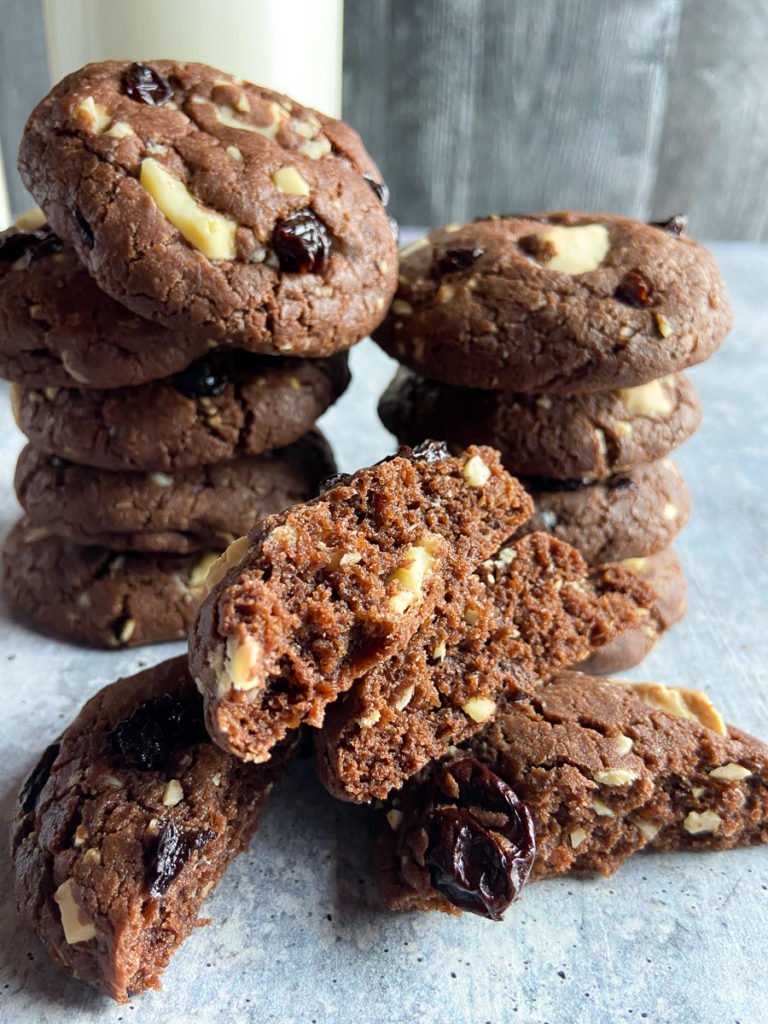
{"type": "Point", "coordinates": [146, 738]}
{"type": "Point", "coordinates": [301, 243]}
{"type": "Point", "coordinates": [335, 480]}
{"type": "Point", "coordinates": [634, 290]}
{"type": "Point", "coordinates": [458, 259]}
{"type": "Point", "coordinates": [619, 483]}
{"type": "Point", "coordinates": [205, 377]}
{"type": "Point", "coordinates": [541, 249]}
{"type": "Point", "coordinates": [676, 225]}
{"type": "Point", "coordinates": [481, 841]}
{"type": "Point", "coordinates": [428, 451]}
{"type": "Point", "coordinates": [174, 848]}
{"type": "Point", "coordinates": [380, 188]}
{"type": "Point", "coordinates": [32, 244]}
{"type": "Point", "coordinates": [37, 778]}
{"type": "Point", "coordinates": [84, 227]}
{"type": "Point", "coordinates": [145, 85]}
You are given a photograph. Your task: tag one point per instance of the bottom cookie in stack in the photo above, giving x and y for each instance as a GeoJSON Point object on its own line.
{"type": "Point", "coordinates": [117, 559]}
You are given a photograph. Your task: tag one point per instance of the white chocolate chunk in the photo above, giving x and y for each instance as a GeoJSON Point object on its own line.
{"type": "Point", "coordinates": [731, 772]}
{"type": "Point", "coordinates": [479, 709]}
{"type": "Point", "coordinates": [475, 472]}
{"type": "Point", "coordinates": [689, 704]}
{"type": "Point", "coordinates": [288, 180]}
{"type": "Point", "coordinates": [226, 115]}
{"type": "Point", "coordinates": [577, 249]}
{"type": "Point", "coordinates": [77, 927]}
{"type": "Point", "coordinates": [241, 663]}
{"type": "Point", "coordinates": [211, 232]}
{"type": "Point", "coordinates": [401, 307]}
{"type": "Point", "coordinates": [173, 794]}
{"type": "Point", "coordinates": [701, 824]}
{"type": "Point", "coordinates": [636, 565]}
{"type": "Point", "coordinates": [601, 809]}
{"type": "Point", "coordinates": [366, 721]}
{"type": "Point", "coordinates": [577, 836]}
{"type": "Point", "coordinates": [235, 153]}
{"type": "Point", "coordinates": [622, 428]}
{"type": "Point", "coordinates": [405, 699]}
{"type": "Point", "coordinates": [651, 399]}
{"type": "Point", "coordinates": [438, 652]}
{"type": "Point", "coordinates": [162, 479]}
{"type": "Point", "coordinates": [315, 149]}
{"type": "Point", "coordinates": [233, 555]}
{"type": "Point", "coordinates": [127, 630]}
{"type": "Point", "coordinates": [394, 818]}
{"type": "Point", "coordinates": [95, 117]}
{"type": "Point", "coordinates": [120, 130]}
{"type": "Point", "coordinates": [670, 512]}
{"type": "Point", "coordinates": [623, 744]}
{"type": "Point", "coordinates": [649, 829]}
{"type": "Point", "coordinates": [410, 577]}
{"type": "Point", "coordinates": [616, 777]}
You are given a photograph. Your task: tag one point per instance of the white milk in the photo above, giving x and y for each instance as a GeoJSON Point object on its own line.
{"type": "Point", "coordinates": [293, 46]}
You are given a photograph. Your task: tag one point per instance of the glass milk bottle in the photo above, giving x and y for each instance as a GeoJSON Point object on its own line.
{"type": "Point", "coordinates": [292, 46]}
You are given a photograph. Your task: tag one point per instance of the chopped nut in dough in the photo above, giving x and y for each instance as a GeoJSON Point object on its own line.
{"type": "Point", "coordinates": [479, 709]}
{"type": "Point", "coordinates": [699, 824]}
{"type": "Point", "coordinates": [173, 794]}
{"type": "Point", "coordinates": [616, 777]}
{"type": "Point", "coordinates": [475, 472]}
{"type": "Point", "coordinates": [731, 772]}
{"type": "Point", "coordinates": [233, 555]}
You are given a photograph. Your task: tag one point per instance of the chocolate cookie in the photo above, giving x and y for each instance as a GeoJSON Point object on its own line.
{"type": "Point", "coordinates": [324, 592]}
{"type": "Point", "coordinates": [208, 204]}
{"type": "Point", "coordinates": [664, 573]}
{"type": "Point", "coordinates": [58, 329]}
{"type": "Point", "coordinates": [602, 770]}
{"type": "Point", "coordinates": [225, 405]}
{"type": "Point", "coordinates": [126, 824]}
{"type": "Point", "coordinates": [525, 614]}
{"type": "Point", "coordinates": [559, 302]}
{"type": "Point", "coordinates": [556, 436]}
{"type": "Point", "coordinates": [197, 509]}
{"type": "Point", "coordinates": [628, 515]}
{"type": "Point", "coordinates": [96, 597]}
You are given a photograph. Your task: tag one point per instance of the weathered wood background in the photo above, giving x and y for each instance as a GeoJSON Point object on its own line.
{"type": "Point", "coordinates": [639, 106]}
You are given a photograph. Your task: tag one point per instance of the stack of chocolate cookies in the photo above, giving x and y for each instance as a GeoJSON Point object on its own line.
{"type": "Point", "coordinates": [174, 321]}
{"type": "Point", "coordinates": [560, 339]}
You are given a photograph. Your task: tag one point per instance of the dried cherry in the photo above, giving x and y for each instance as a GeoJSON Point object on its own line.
{"type": "Point", "coordinates": [204, 377]}
{"type": "Point", "coordinates": [32, 244]}
{"type": "Point", "coordinates": [481, 840]}
{"type": "Point", "coordinates": [145, 739]}
{"type": "Point", "coordinates": [634, 290]}
{"type": "Point", "coordinates": [37, 778]}
{"type": "Point", "coordinates": [301, 243]}
{"type": "Point", "coordinates": [458, 259]}
{"type": "Point", "coordinates": [145, 85]}
{"type": "Point", "coordinates": [676, 225]}
{"type": "Point", "coordinates": [174, 848]}
{"type": "Point", "coordinates": [380, 188]}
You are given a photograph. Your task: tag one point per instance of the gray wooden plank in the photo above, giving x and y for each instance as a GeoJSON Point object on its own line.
{"type": "Point", "coordinates": [714, 154]}
{"type": "Point", "coordinates": [24, 81]}
{"type": "Point", "coordinates": [492, 105]}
